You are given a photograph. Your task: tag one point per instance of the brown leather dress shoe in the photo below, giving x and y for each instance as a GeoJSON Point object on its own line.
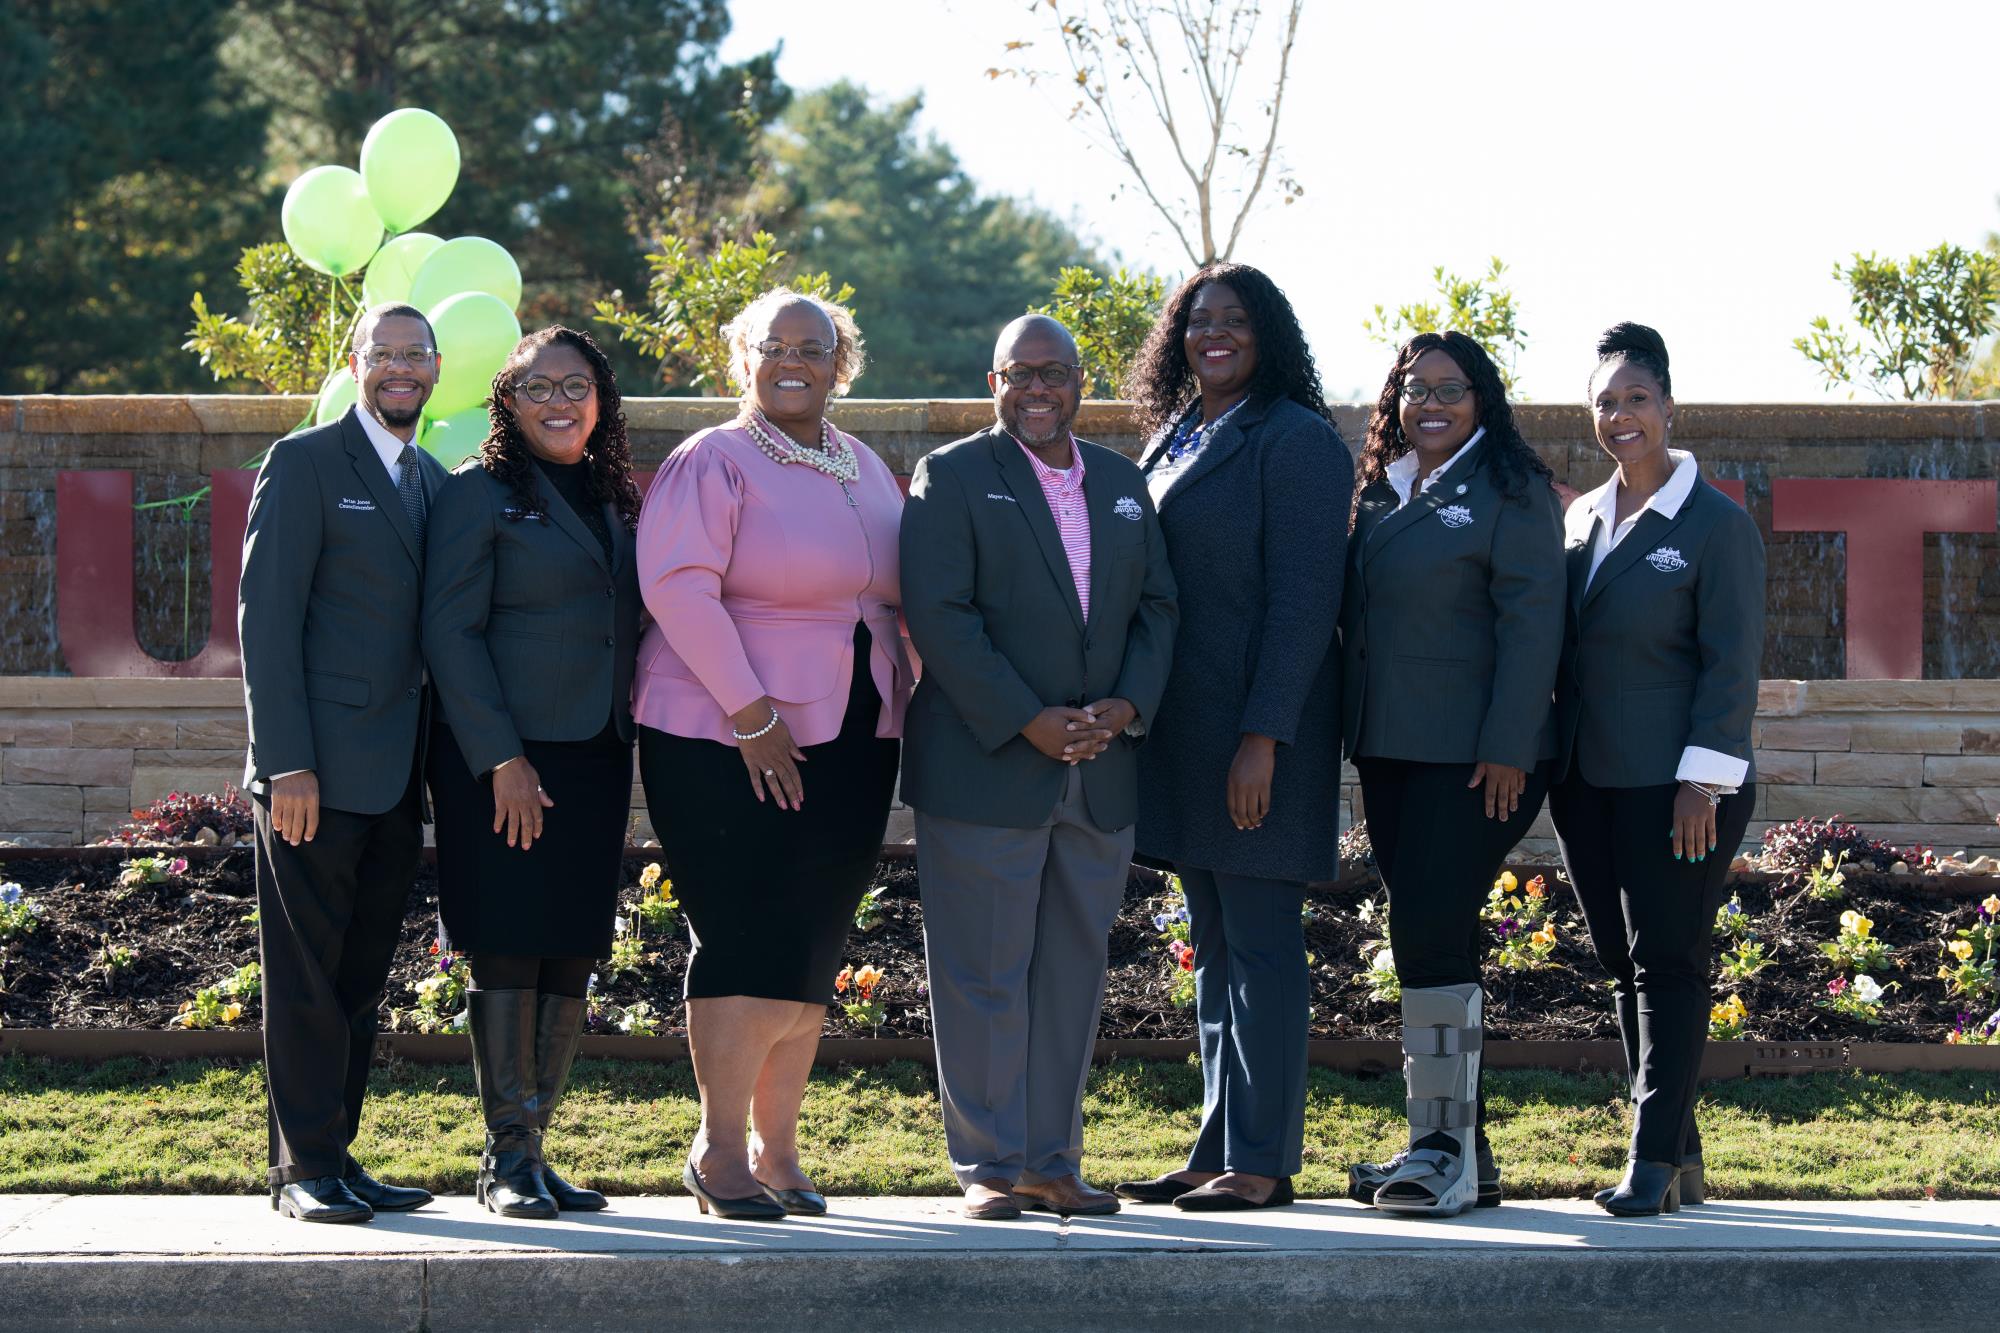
{"type": "Point", "coordinates": [991, 1201]}
{"type": "Point", "coordinates": [1068, 1196]}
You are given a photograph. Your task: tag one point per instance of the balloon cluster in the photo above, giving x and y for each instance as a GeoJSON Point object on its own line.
{"type": "Point", "coordinates": [336, 219]}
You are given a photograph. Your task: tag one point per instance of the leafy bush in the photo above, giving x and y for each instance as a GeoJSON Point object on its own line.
{"type": "Point", "coordinates": [1109, 317]}
{"type": "Point", "coordinates": [287, 344]}
{"type": "Point", "coordinates": [1793, 851]}
{"type": "Point", "coordinates": [179, 816]}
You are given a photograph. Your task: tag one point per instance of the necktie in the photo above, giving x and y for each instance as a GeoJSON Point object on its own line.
{"type": "Point", "coordinates": [409, 485]}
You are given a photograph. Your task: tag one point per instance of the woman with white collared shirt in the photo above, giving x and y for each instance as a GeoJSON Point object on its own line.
{"type": "Point", "coordinates": [1654, 778]}
{"type": "Point", "coordinates": [1451, 623]}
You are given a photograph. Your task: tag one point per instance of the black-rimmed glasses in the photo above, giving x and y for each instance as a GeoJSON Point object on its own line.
{"type": "Point", "coordinates": [1053, 376]}
{"type": "Point", "coordinates": [1447, 393]}
{"type": "Point", "coordinates": [541, 388]}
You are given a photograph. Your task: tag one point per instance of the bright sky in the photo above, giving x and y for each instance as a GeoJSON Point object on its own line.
{"type": "Point", "coordinates": [1698, 165]}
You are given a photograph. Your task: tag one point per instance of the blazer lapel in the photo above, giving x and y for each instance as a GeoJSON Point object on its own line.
{"type": "Point", "coordinates": [620, 539]}
{"type": "Point", "coordinates": [1579, 566]}
{"type": "Point", "coordinates": [368, 466]}
{"type": "Point", "coordinates": [1445, 490]}
{"type": "Point", "coordinates": [1100, 501]}
{"type": "Point", "coordinates": [1652, 528]}
{"type": "Point", "coordinates": [565, 518]}
{"type": "Point", "coordinates": [1226, 439]}
{"type": "Point", "coordinates": [1018, 476]}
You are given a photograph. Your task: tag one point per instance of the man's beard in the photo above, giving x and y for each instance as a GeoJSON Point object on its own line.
{"type": "Point", "coordinates": [1017, 425]}
{"type": "Point", "coordinates": [392, 417]}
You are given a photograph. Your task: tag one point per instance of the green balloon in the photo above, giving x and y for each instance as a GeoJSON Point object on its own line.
{"type": "Point", "coordinates": [455, 438]}
{"type": "Point", "coordinates": [466, 264]}
{"type": "Point", "coordinates": [410, 163]}
{"type": "Point", "coordinates": [336, 395]}
{"type": "Point", "coordinates": [328, 221]}
{"type": "Point", "coordinates": [475, 332]}
{"type": "Point", "coordinates": [395, 266]}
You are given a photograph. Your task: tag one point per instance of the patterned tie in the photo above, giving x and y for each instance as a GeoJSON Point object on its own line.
{"type": "Point", "coordinates": [409, 484]}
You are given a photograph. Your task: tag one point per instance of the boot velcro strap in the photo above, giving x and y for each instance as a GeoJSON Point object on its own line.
{"type": "Point", "coordinates": [1440, 1113]}
{"type": "Point", "coordinates": [1441, 1040]}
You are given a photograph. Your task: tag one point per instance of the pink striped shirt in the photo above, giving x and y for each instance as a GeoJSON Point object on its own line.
{"type": "Point", "coordinates": [1064, 492]}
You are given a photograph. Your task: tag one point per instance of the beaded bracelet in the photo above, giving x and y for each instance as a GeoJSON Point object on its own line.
{"type": "Point", "coordinates": [761, 731]}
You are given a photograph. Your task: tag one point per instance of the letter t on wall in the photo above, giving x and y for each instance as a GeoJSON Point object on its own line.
{"type": "Point", "coordinates": [1885, 519]}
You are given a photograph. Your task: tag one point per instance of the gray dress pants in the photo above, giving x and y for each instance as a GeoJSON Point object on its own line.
{"type": "Point", "coordinates": [1015, 927]}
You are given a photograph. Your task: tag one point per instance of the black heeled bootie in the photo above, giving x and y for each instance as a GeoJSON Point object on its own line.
{"type": "Point", "coordinates": [1694, 1183]}
{"type": "Point", "coordinates": [558, 1029]}
{"type": "Point", "coordinates": [502, 1023]}
{"type": "Point", "coordinates": [1649, 1188]}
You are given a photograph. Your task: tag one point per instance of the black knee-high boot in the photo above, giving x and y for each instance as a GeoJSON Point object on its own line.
{"type": "Point", "coordinates": [558, 1029]}
{"type": "Point", "coordinates": [502, 1024]}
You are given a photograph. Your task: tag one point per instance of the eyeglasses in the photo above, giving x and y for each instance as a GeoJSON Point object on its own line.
{"type": "Point", "coordinates": [774, 350]}
{"type": "Point", "coordinates": [541, 388]}
{"type": "Point", "coordinates": [377, 356]}
{"type": "Point", "coordinates": [1447, 393]}
{"type": "Point", "coordinates": [1053, 376]}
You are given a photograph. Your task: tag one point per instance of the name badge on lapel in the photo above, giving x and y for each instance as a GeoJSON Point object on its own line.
{"type": "Point", "coordinates": [357, 506]}
{"type": "Point", "coordinates": [1454, 516]}
{"type": "Point", "coordinates": [1127, 507]}
{"type": "Point", "coordinates": [1667, 560]}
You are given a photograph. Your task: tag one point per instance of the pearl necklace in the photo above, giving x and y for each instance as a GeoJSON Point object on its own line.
{"type": "Point", "coordinates": [834, 456]}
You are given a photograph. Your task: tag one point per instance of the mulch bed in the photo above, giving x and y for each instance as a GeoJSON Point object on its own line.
{"type": "Point", "coordinates": [192, 931]}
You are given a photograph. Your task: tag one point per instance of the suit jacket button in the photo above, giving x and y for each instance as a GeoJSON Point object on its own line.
{"type": "Point", "coordinates": [609, 591]}
{"type": "Point", "coordinates": [609, 641]}
{"type": "Point", "coordinates": [410, 693]}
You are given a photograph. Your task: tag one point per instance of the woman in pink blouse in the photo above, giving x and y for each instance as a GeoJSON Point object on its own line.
{"type": "Point", "coordinates": [769, 696]}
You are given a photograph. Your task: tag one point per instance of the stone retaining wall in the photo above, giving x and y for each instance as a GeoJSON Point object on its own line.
{"type": "Point", "coordinates": [172, 443]}
{"type": "Point", "coordinates": [1910, 761]}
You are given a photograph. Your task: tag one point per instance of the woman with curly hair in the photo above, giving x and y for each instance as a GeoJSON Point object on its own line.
{"type": "Point", "coordinates": [1241, 780]}
{"type": "Point", "coordinates": [531, 628]}
{"type": "Point", "coordinates": [1451, 627]}
{"type": "Point", "coordinates": [770, 700]}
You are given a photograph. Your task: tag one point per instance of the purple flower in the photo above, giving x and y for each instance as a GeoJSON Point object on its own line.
{"type": "Point", "coordinates": [177, 866]}
{"type": "Point", "coordinates": [9, 894]}
{"type": "Point", "coordinates": [1161, 921]}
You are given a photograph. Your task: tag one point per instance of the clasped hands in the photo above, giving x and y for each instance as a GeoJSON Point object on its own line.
{"type": "Point", "coordinates": [1072, 735]}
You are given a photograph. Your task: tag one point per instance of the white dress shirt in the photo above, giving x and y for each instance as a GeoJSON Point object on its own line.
{"type": "Point", "coordinates": [1599, 509]}
{"type": "Point", "coordinates": [1403, 471]}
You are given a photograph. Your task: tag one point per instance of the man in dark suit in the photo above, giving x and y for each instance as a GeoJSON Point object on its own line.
{"type": "Point", "coordinates": [333, 676]}
{"type": "Point", "coordinates": [1037, 591]}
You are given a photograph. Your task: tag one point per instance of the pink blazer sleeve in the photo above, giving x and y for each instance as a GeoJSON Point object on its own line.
{"type": "Point", "coordinates": [687, 531]}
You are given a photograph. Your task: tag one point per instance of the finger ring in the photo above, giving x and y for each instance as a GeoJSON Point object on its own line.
{"type": "Point", "coordinates": [770, 772]}
{"type": "Point", "coordinates": [540, 792]}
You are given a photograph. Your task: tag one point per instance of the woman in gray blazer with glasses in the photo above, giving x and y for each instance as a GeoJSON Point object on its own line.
{"type": "Point", "coordinates": [531, 630]}
{"type": "Point", "coordinates": [1450, 626]}
{"type": "Point", "coordinates": [1655, 779]}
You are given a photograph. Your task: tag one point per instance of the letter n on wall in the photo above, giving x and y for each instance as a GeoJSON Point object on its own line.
{"type": "Point", "coordinates": [1885, 519]}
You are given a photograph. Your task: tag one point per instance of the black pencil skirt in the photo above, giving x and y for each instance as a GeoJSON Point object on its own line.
{"type": "Point", "coordinates": [770, 894]}
{"type": "Point", "coordinates": [556, 899]}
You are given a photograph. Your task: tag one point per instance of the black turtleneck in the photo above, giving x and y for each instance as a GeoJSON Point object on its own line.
{"type": "Point", "coordinates": [572, 483]}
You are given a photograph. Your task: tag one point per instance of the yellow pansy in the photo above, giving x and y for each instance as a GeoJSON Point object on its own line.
{"type": "Point", "coordinates": [1507, 883]}
{"type": "Point", "coordinates": [231, 1013]}
{"type": "Point", "coordinates": [650, 875]}
{"type": "Point", "coordinates": [1960, 949]}
{"type": "Point", "coordinates": [1992, 905]}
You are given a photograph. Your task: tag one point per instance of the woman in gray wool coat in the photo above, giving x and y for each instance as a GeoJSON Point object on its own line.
{"type": "Point", "coordinates": [1239, 787]}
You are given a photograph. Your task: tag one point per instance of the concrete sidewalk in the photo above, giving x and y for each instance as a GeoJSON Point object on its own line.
{"type": "Point", "coordinates": [903, 1264]}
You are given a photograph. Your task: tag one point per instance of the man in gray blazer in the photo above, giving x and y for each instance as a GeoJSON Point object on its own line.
{"type": "Point", "coordinates": [1037, 591]}
{"type": "Point", "coordinates": [333, 563]}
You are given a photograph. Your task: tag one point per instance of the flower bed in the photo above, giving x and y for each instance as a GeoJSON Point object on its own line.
{"type": "Point", "coordinates": [168, 946]}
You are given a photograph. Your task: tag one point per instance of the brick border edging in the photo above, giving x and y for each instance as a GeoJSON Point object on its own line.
{"type": "Point", "coordinates": [1721, 1060]}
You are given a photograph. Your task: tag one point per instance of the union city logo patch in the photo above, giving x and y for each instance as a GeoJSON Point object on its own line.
{"type": "Point", "coordinates": [1667, 560]}
{"type": "Point", "coordinates": [1454, 516]}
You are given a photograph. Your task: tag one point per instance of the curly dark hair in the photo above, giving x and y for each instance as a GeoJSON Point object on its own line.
{"type": "Point", "coordinates": [1162, 383]}
{"type": "Point", "coordinates": [505, 452]}
{"type": "Point", "coordinates": [1514, 464]}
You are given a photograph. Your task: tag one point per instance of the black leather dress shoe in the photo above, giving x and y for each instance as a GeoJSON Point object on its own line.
{"type": "Point", "coordinates": [1208, 1200]}
{"type": "Point", "coordinates": [320, 1199]}
{"type": "Point", "coordinates": [383, 1198]}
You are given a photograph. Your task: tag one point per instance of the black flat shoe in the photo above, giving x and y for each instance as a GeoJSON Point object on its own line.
{"type": "Point", "coordinates": [751, 1208]}
{"type": "Point", "coordinates": [799, 1203]}
{"type": "Point", "coordinates": [1206, 1200]}
{"type": "Point", "coordinates": [1694, 1184]}
{"type": "Point", "coordinates": [320, 1199]}
{"type": "Point", "coordinates": [1648, 1189]}
{"type": "Point", "coordinates": [1162, 1189]}
{"type": "Point", "coordinates": [383, 1198]}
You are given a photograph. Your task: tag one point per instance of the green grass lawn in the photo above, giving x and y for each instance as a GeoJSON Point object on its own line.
{"type": "Point", "coordinates": [197, 1127]}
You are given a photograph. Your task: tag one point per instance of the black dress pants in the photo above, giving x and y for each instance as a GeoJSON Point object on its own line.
{"type": "Point", "coordinates": [1438, 853]}
{"type": "Point", "coordinates": [1652, 922]}
{"type": "Point", "coordinates": [330, 913]}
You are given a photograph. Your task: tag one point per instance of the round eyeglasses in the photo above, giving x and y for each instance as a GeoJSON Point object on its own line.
{"type": "Point", "coordinates": [1053, 376]}
{"type": "Point", "coordinates": [541, 388]}
{"type": "Point", "coordinates": [1447, 393]}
